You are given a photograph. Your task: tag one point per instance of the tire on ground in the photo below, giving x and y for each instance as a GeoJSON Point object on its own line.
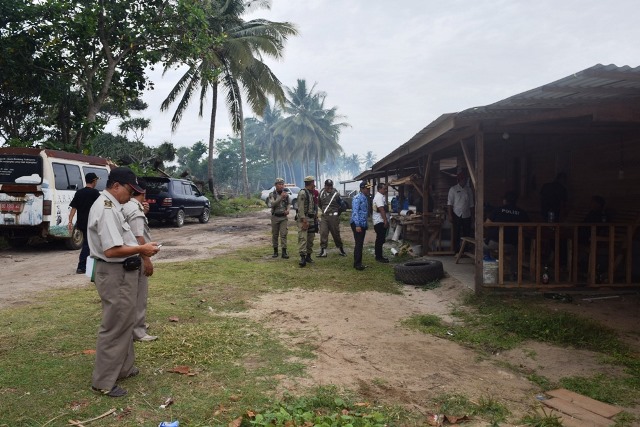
{"type": "Point", "coordinates": [419, 272]}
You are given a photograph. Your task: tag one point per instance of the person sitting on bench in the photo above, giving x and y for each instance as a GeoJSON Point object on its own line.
{"type": "Point", "coordinates": [508, 212]}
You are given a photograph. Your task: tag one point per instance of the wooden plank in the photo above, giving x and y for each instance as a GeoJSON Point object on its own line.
{"type": "Point", "coordinates": [588, 418]}
{"type": "Point", "coordinates": [585, 402]}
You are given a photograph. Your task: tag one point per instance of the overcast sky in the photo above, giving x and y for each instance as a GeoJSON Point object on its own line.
{"type": "Point", "coordinates": [392, 67]}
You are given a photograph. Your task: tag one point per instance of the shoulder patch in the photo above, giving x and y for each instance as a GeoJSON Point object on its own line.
{"type": "Point", "coordinates": [108, 204]}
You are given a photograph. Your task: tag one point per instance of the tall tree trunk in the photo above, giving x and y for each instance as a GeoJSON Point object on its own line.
{"type": "Point", "coordinates": [212, 128]}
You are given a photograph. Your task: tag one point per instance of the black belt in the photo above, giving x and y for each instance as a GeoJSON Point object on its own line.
{"type": "Point", "coordinates": [279, 214]}
{"type": "Point", "coordinates": [108, 262]}
{"type": "Point", "coordinates": [130, 264]}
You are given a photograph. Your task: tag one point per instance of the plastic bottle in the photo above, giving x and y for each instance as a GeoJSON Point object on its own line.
{"type": "Point", "coordinates": [545, 275]}
{"type": "Point", "coordinates": [169, 424]}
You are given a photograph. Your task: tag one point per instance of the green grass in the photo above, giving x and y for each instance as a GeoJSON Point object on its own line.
{"type": "Point", "coordinates": [238, 362]}
{"type": "Point", "coordinates": [492, 324]}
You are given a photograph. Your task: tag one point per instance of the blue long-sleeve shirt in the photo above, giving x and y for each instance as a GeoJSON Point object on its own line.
{"type": "Point", "coordinates": [360, 210]}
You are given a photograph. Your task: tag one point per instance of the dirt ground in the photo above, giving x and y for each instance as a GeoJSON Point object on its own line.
{"type": "Point", "coordinates": [358, 338]}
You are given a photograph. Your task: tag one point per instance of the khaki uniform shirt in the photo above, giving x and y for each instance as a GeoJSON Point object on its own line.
{"type": "Point", "coordinates": [306, 208]}
{"type": "Point", "coordinates": [134, 215]}
{"type": "Point", "coordinates": [325, 201]}
{"type": "Point", "coordinates": [279, 202]}
{"type": "Point", "coordinates": [107, 227]}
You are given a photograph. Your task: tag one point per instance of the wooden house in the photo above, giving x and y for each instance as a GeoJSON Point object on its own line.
{"type": "Point", "coordinates": [587, 126]}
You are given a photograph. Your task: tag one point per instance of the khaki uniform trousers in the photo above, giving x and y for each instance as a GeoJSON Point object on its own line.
{"type": "Point", "coordinates": [139, 330]}
{"type": "Point", "coordinates": [330, 223]}
{"type": "Point", "coordinates": [279, 228]}
{"type": "Point", "coordinates": [305, 240]}
{"type": "Point", "coordinates": [118, 290]}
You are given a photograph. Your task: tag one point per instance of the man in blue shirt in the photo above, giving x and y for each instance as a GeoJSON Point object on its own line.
{"type": "Point", "coordinates": [359, 222]}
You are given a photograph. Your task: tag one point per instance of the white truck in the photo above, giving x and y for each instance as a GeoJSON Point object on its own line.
{"type": "Point", "coordinates": [36, 187]}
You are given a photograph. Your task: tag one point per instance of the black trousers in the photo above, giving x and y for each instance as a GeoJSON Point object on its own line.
{"type": "Point", "coordinates": [381, 236]}
{"type": "Point", "coordinates": [359, 243]}
{"type": "Point", "coordinates": [460, 227]}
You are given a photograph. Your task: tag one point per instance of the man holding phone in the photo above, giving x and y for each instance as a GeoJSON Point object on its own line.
{"type": "Point", "coordinates": [134, 214]}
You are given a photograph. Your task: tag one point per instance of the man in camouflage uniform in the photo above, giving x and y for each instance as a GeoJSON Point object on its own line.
{"type": "Point", "coordinates": [329, 202]}
{"type": "Point", "coordinates": [279, 201]}
{"type": "Point", "coordinates": [306, 218]}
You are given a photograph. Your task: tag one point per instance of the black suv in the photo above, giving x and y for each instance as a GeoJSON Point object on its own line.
{"type": "Point", "coordinates": [175, 199]}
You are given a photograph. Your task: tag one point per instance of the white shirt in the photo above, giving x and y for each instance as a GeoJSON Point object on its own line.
{"type": "Point", "coordinates": [461, 199]}
{"type": "Point", "coordinates": [379, 200]}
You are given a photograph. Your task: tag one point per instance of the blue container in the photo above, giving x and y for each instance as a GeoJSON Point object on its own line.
{"type": "Point", "coordinates": [169, 424]}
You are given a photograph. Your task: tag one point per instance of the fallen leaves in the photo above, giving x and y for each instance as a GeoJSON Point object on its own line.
{"type": "Point", "coordinates": [183, 370]}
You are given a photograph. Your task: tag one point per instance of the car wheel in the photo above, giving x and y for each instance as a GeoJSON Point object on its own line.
{"type": "Point", "coordinates": [179, 220]}
{"type": "Point", "coordinates": [294, 204]}
{"type": "Point", "coordinates": [419, 272]}
{"type": "Point", "coordinates": [75, 241]}
{"type": "Point", "coordinates": [204, 217]}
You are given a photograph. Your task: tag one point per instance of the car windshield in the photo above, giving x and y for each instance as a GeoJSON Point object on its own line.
{"type": "Point", "coordinates": [156, 186]}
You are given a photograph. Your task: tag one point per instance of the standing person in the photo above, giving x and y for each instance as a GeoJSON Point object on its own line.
{"type": "Point", "coordinates": [553, 198]}
{"type": "Point", "coordinates": [359, 224]}
{"type": "Point", "coordinates": [460, 202]}
{"type": "Point", "coordinates": [307, 217]}
{"type": "Point", "coordinates": [117, 254]}
{"type": "Point", "coordinates": [81, 203]}
{"type": "Point", "coordinates": [380, 220]}
{"type": "Point", "coordinates": [134, 214]}
{"type": "Point", "coordinates": [329, 202]}
{"type": "Point", "coordinates": [508, 212]}
{"type": "Point", "coordinates": [279, 200]}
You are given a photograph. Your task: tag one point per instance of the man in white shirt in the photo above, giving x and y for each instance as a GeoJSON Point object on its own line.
{"type": "Point", "coordinates": [461, 205]}
{"type": "Point", "coordinates": [380, 220]}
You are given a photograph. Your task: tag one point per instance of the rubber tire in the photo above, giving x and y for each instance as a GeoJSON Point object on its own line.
{"type": "Point", "coordinates": [178, 221]}
{"type": "Point", "coordinates": [75, 241]}
{"type": "Point", "coordinates": [204, 216]}
{"type": "Point", "coordinates": [419, 272]}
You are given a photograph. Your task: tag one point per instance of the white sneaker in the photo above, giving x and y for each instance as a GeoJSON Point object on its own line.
{"type": "Point", "coordinates": [148, 338]}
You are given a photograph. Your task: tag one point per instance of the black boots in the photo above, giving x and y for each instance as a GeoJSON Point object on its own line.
{"type": "Point", "coordinates": [275, 252]}
{"type": "Point", "coordinates": [284, 253]}
{"type": "Point", "coordinates": [323, 253]}
{"type": "Point", "coordinates": [308, 259]}
{"type": "Point", "coordinates": [342, 252]}
{"type": "Point", "coordinates": [303, 260]}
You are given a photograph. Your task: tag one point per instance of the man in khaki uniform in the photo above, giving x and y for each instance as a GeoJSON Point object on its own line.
{"type": "Point", "coordinates": [279, 201]}
{"type": "Point", "coordinates": [329, 202]}
{"type": "Point", "coordinates": [117, 262]}
{"type": "Point", "coordinates": [134, 214]}
{"type": "Point", "coordinates": [306, 218]}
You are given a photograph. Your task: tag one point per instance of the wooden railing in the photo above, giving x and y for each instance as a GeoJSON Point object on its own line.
{"type": "Point", "coordinates": [570, 262]}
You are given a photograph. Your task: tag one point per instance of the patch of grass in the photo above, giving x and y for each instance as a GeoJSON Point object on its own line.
{"type": "Point", "coordinates": [233, 206]}
{"type": "Point", "coordinates": [459, 405]}
{"type": "Point", "coordinates": [543, 419]}
{"type": "Point", "coordinates": [493, 324]}
{"type": "Point", "coordinates": [625, 419]}
{"type": "Point", "coordinates": [326, 406]}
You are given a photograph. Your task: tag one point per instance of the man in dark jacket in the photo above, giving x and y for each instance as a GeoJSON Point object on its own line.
{"type": "Point", "coordinates": [81, 203]}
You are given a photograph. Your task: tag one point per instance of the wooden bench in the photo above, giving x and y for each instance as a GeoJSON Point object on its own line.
{"type": "Point", "coordinates": [463, 252]}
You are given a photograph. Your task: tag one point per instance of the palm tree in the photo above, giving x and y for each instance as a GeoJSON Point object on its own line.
{"type": "Point", "coordinates": [369, 159]}
{"type": "Point", "coordinates": [263, 134]}
{"type": "Point", "coordinates": [310, 130]}
{"type": "Point", "coordinates": [234, 63]}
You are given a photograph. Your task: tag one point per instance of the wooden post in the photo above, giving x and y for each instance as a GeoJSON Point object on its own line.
{"type": "Point", "coordinates": [425, 205]}
{"type": "Point", "coordinates": [479, 203]}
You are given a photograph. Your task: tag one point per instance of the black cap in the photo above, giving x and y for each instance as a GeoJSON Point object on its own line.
{"type": "Point", "coordinates": [365, 184]}
{"type": "Point", "coordinates": [329, 183]}
{"type": "Point", "coordinates": [124, 175]}
{"type": "Point", "coordinates": [90, 177]}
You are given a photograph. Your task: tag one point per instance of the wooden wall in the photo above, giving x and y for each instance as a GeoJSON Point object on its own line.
{"type": "Point", "coordinates": [595, 165]}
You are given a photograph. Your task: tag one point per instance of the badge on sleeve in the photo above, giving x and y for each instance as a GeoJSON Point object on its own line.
{"type": "Point", "coordinates": [108, 204]}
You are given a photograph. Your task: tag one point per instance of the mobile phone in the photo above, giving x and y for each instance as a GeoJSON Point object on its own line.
{"type": "Point", "coordinates": [159, 245]}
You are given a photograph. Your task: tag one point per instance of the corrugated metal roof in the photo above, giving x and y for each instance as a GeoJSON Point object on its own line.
{"type": "Point", "coordinates": [594, 85]}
